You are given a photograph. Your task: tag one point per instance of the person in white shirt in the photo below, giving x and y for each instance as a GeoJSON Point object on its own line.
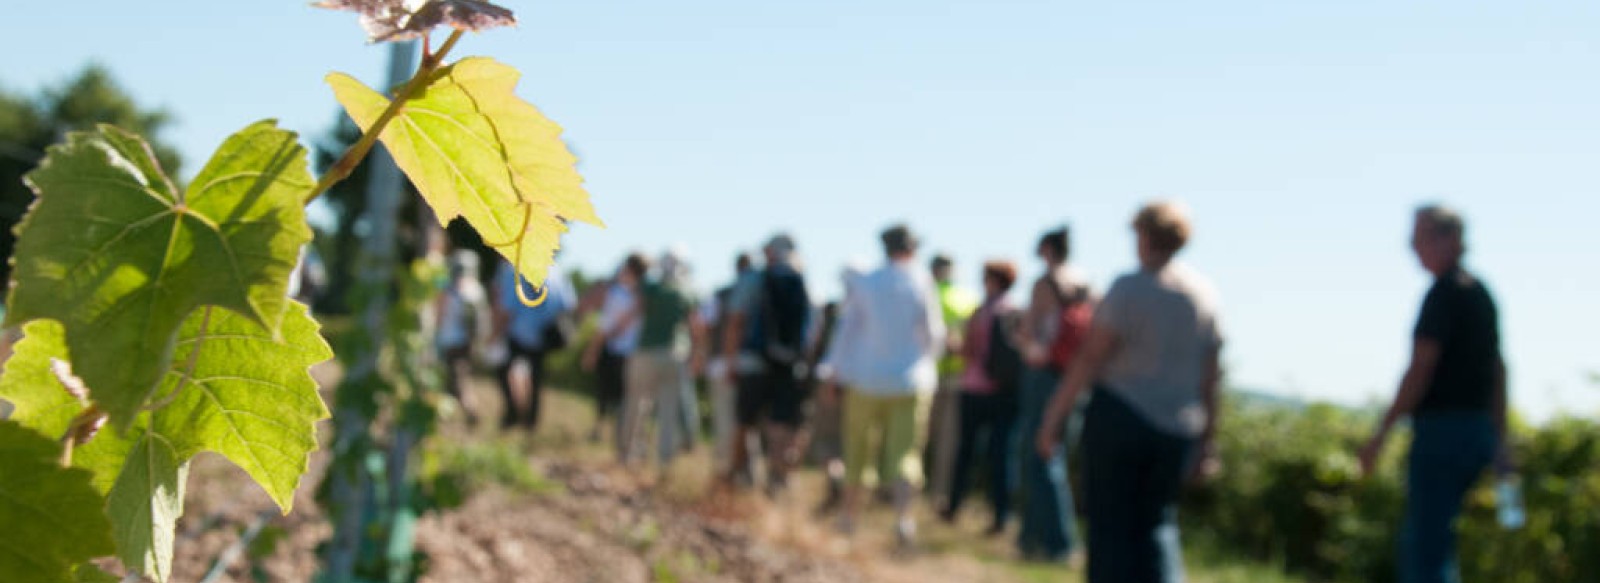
{"type": "Point", "coordinates": [889, 335]}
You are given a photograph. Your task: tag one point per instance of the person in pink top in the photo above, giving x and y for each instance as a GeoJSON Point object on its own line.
{"type": "Point", "coordinates": [988, 405]}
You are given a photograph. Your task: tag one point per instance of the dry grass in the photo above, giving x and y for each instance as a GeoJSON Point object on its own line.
{"type": "Point", "coordinates": [958, 552]}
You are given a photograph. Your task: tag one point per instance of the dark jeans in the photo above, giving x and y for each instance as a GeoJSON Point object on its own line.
{"type": "Point", "coordinates": [1132, 475]}
{"type": "Point", "coordinates": [457, 363]}
{"type": "Point", "coordinates": [609, 383]}
{"type": "Point", "coordinates": [1449, 451]}
{"type": "Point", "coordinates": [1048, 516]}
{"type": "Point", "coordinates": [528, 416]}
{"type": "Point", "coordinates": [991, 416]}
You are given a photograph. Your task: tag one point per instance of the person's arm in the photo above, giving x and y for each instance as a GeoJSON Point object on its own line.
{"type": "Point", "coordinates": [484, 329]}
{"type": "Point", "coordinates": [499, 315]}
{"type": "Point", "coordinates": [1504, 463]}
{"type": "Point", "coordinates": [1424, 358]}
{"type": "Point", "coordinates": [732, 335]}
{"type": "Point", "coordinates": [1043, 305]}
{"type": "Point", "coordinates": [1210, 399]}
{"type": "Point", "coordinates": [844, 335]}
{"type": "Point", "coordinates": [931, 332]}
{"type": "Point", "coordinates": [969, 350]}
{"type": "Point", "coordinates": [1097, 350]}
{"type": "Point", "coordinates": [591, 356]}
{"type": "Point", "coordinates": [1498, 406]}
{"type": "Point", "coordinates": [1027, 334]}
{"type": "Point", "coordinates": [699, 333]}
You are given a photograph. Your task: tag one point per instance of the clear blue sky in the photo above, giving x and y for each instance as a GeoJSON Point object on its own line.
{"type": "Point", "coordinates": [1301, 135]}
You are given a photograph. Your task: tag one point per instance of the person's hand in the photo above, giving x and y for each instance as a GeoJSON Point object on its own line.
{"type": "Point", "coordinates": [1207, 467]}
{"type": "Point", "coordinates": [1036, 355]}
{"type": "Point", "coordinates": [1047, 440]}
{"type": "Point", "coordinates": [1368, 455]}
{"type": "Point", "coordinates": [730, 371]}
{"type": "Point", "coordinates": [591, 357]}
{"type": "Point", "coordinates": [828, 394]}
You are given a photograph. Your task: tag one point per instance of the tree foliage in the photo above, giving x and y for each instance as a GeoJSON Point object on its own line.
{"type": "Point", "coordinates": [30, 124]}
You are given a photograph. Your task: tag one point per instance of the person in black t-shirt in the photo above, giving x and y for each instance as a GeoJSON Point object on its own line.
{"type": "Point", "coordinates": [1455, 394]}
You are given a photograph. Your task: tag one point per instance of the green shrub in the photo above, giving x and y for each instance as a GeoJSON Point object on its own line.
{"type": "Point", "coordinates": [1290, 494]}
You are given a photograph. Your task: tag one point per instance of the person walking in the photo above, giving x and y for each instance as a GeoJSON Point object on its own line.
{"type": "Point", "coordinates": [607, 354]}
{"type": "Point", "coordinates": [1052, 327]}
{"type": "Point", "coordinates": [656, 370]}
{"type": "Point", "coordinates": [988, 406]}
{"type": "Point", "coordinates": [463, 323]}
{"type": "Point", "coordinates": [944, 426]}
{"type": "Point", "coordinates": [764, 339]}
{"type": "Point", "coordinates": [827, 417]}
{"type": "Point", "coordinates": [1455, 393]}
{"type": "Point", "coordinates": [528, 333]}
{"type": "Point", "coordinates": [883, 357]}
{"type": "Point", "coordinates": [718, 369]}
{"type": "Point", "coordinates": [1151, 358]}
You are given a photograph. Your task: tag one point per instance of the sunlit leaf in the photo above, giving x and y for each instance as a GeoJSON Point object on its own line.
{"type": "Point", "coordinates": [119, 257]}
{"type": "Point", "coordinates": [248, 396]}
{"type": "Point", "coordinates": [145, 503]}
{"type": "Point", "coordinates": [476, 150]}
{"type": "Point", "coordinates": [53, 519]}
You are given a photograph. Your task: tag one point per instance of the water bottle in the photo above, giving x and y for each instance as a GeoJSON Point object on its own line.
{"type": "Point", "coordinates": [1508, 500]}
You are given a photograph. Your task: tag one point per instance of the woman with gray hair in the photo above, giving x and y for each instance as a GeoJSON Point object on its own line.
{"type": "Point", "coordinates": [1152, 359]}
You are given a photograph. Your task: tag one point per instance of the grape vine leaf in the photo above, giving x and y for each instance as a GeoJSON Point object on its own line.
{"type": "Point", "coordinates": [89, 573]}
{"type": "Point", "coordinates": [53, 519]}
{"type": "Point", "coordinates": [42, 404]}
{"type": "Point", "coordinates": [249, 396]}
{"type": "Point", "coordinates": [146, 501]}
{"type": "Point", "coordinates": [233, 388]}
{"type": "Point", "coordinates": [118, 255]}
{"type": "Point", "coordinates": [476, 150]}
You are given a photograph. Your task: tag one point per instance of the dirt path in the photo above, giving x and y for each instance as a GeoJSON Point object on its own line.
{"type": "Point", "coordinates": [606, 526]}
{"type": "Point", "coordinates": [601, 524]}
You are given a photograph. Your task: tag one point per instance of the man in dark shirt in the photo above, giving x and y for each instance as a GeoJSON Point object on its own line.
{"type": "Point", "coordinates": [1455, 393]}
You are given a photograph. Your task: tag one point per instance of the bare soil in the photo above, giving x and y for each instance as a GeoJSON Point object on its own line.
{"type": "Point", "coordinates": [601, 524]}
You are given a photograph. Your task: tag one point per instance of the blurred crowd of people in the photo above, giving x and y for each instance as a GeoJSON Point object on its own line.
{"type": "Point", "coordinates": [910, 384]}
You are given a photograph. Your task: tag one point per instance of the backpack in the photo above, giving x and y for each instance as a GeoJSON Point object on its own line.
{"type": "Point", "coordinates": [785, 307]}
{"type": "Point", "coordinates": [1003, 362]}
{"type": "Point", "coordinates": [1072, 325]}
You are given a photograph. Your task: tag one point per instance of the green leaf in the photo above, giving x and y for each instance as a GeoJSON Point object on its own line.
{"type": "Point", "coordinates": [53, 519]}
{"type": "Point", "coordinates": [476, 150]}
{"type": "Point", "coordinates": [92, 574]}
{"type": "Point", "coordinates": [119, 257]}
{"type": "Point", "coordinates": [249, 396]}
{"type": "Point", "coordinates": [145, 504]}
{"type": "Point", "coordinates": [42, 404]}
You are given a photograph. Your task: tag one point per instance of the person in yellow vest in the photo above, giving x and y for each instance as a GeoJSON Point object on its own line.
{"type": "Point", "coordinates": [956, 304]}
